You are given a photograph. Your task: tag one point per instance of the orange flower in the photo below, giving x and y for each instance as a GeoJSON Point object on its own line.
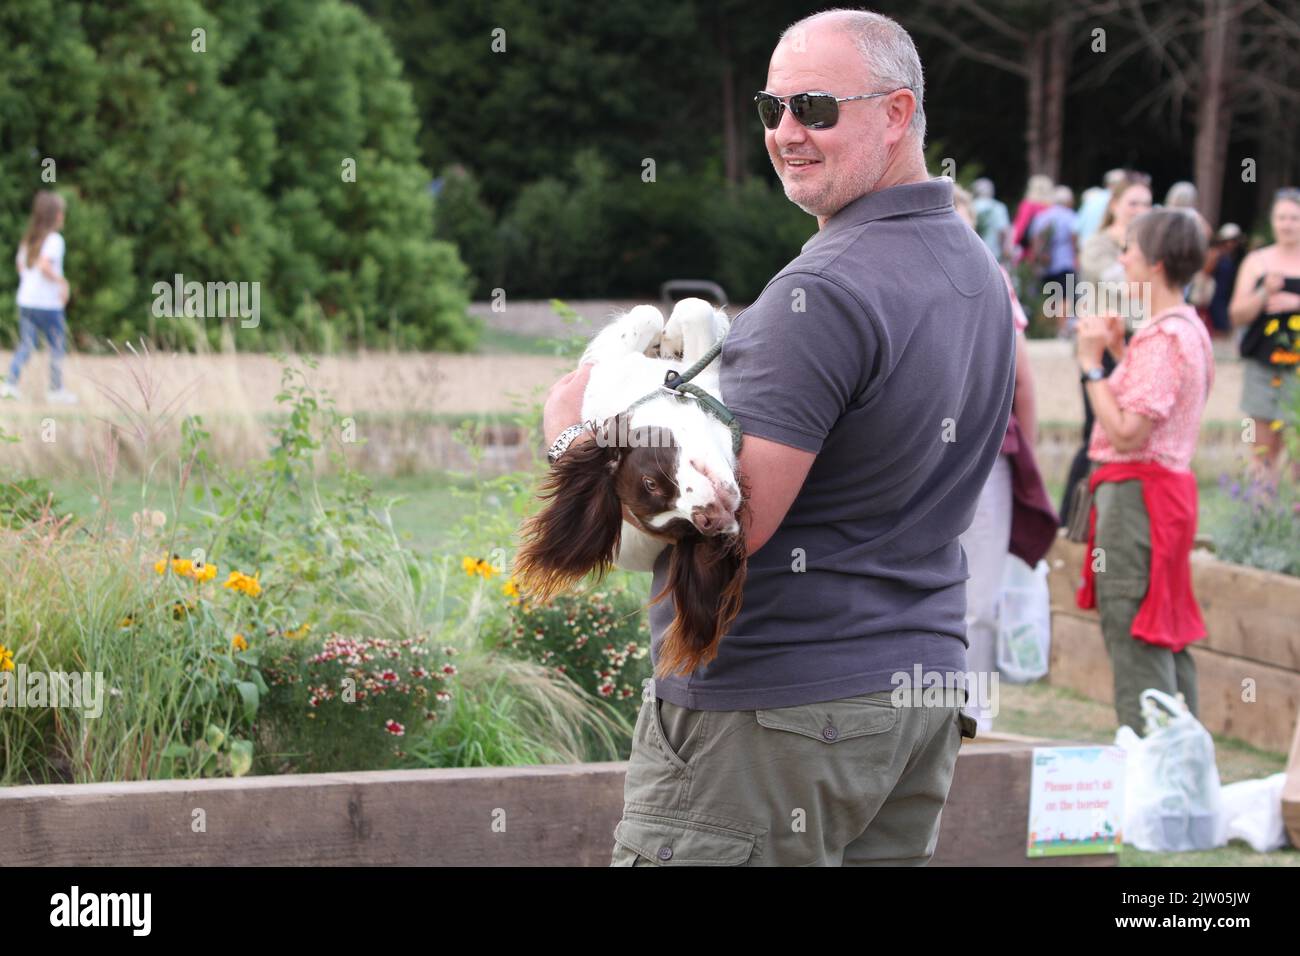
{"type": "Point", "coordinates": [238, 581]}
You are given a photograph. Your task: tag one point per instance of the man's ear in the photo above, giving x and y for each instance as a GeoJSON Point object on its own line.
{"type": "Point", "coordinates": [899, 110]}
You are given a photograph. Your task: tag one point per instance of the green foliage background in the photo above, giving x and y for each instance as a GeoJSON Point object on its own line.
{"type": "Point", "coordinates": [225, 165]}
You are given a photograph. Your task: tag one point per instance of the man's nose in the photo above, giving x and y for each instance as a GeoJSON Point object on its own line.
{"type": "Point", "coordinates": [789, 130]}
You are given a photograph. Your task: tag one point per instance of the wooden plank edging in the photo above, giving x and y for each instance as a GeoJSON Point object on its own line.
{"type": "Point", "coordinates": [558, 815]}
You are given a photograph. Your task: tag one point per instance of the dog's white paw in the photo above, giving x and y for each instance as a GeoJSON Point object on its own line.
{"type": "Point", "coordinates": [642, 328]}
{"type": "Point", "coordinates": [693, 322]}
{"type": "Point", "coordinates": [670, 343]}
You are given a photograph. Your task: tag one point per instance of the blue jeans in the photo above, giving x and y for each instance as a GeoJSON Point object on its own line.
{"type": "Point", "coordinates": [52, 324]}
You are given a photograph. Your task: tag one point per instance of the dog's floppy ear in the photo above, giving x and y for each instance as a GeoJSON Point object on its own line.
{"type": "Point", "coordinates": [579, 528]}
{"type": "Point", "coordinates": [707, 578]}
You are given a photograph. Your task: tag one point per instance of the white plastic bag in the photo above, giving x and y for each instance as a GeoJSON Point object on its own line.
{"type": "Point", "coordinates": [1252, 811]}
{"type": "Point", "coordinates": [1172, 797]}
{"type": "Point", "coordinates": [1024, 622]}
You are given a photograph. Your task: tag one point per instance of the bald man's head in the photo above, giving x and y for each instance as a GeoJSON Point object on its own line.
{"type": "Point", "coordinates": [874, 142]}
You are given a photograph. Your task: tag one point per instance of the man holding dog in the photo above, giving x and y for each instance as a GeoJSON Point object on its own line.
{"type": "Point", "coordinates": [873, 378]}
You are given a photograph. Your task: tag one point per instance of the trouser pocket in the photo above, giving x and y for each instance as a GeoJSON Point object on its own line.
{"type": "Point", "coordinates": [646, 839]}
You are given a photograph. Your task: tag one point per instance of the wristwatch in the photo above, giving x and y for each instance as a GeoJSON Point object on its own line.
{"type": "Point", "coordinates": [1095, 374]}
{"type": "Point", "coordinates": [566, 439]}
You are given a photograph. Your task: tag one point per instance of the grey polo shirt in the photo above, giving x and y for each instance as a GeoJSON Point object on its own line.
{"type": "Point", "coordinates": [887, 348]}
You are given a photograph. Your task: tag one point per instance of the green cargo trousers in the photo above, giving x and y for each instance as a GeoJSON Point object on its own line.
{"type": "Point", "coordinates": [850, 782]}
{"type": "Point", "coordinates": [1123, 538]}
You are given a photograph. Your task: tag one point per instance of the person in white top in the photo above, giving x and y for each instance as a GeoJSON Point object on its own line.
{"type": "Point", "coordinates": [987, 541]}
{"type": "Point", "coordinates": [42, 295]}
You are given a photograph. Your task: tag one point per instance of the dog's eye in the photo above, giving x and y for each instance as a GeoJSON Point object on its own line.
{"type": "Point", "coordinates": [650, 485]}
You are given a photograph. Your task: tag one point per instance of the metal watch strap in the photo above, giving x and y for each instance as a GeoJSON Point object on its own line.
{"type": "Point", "coordinates": [564, 440]}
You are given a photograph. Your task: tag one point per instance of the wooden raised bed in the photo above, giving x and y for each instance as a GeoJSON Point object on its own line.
{"type": "Point", "coordinates": [515, 816]}
{"type": "Point", "coordinates": [1253, 644]}
{"type": "Point", "coordinates": [1252, 620]}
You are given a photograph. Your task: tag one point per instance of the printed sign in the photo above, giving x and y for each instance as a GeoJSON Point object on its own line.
{"type": "Point", "coordinates": [1076, 801]}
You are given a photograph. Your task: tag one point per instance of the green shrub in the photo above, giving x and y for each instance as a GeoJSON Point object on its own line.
{"type": "Point", "coordinates": [1262, 529]}
{"type": "Point", "coordinates": [349, 701]}
{"type": "Point", "coordinates": [600, 231]}
{"type": "Point", "coordinates": [757, 230]}
{"type": "Point", "coordinates": [229, 163]}
{"type": "Point", "coordinates": [462, 218]}
{"type": "Point", "coordinates": [185, 643]}
{"type": "Point", "coordinates": [600, 639]}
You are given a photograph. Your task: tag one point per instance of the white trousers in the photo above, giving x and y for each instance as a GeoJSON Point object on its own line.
{"type": "Point", "coordinates": [986, 542]}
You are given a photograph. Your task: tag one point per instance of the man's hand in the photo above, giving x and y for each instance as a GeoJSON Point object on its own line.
{"type": "Point", "coordinates": [564, 403]}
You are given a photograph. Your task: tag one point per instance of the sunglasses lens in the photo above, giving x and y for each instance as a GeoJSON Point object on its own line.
{"type": "Point", "coordinates": [815, 110]}
{"type": "Point", "coordinates": [769, 110]}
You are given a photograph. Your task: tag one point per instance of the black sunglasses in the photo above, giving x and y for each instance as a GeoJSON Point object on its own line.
{"type": "Point", "coordinates": [815, 109]}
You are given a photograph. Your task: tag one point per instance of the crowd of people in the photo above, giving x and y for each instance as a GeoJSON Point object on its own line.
{"type": "Point", "coordinates": [1146, 375]}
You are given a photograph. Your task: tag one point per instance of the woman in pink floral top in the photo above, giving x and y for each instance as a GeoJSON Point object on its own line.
{"type": "Point", "coordinates": [1137, 570]}
{"type": "Point", "coordinates": [1165, 376]}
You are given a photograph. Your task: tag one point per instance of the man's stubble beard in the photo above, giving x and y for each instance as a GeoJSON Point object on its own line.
{"type": "Point", "coordinates": [835, 196]}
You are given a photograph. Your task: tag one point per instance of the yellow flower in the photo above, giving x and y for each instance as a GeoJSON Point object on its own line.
{"type": "Point", "coordinates": [206, 573]}
{"type": "Point", "coordinates": [160, 565]}
{"type": "Point", "coordinates": [475, 566]}
{"type": "Point", "coordinates": [238, 581]}
{"type": "Point", "coordinates": [183, 566]}
{"type": "Point", "coordinates": [1271, 327]}
{"type": "Point", "coordinates": [298, 633]}
{"type": "Point", "coordinates": [510, 589]}
{"type": "Point", "coordinates": [238, 643]}
{"type": "Point", "coordinates": [6, 659]}
{"type": "Point", "coordinates": [1293, 323]}
{"type": "Point", "coordinates": [1276, 424]}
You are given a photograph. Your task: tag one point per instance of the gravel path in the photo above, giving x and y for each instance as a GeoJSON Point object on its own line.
{"type": "Point", "coordinates": [448, 383]}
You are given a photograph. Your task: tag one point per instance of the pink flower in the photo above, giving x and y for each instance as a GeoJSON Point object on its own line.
{"type": "Point", "coordinates": [394, 728]}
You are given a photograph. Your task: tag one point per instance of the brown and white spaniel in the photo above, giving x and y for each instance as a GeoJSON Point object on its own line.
{"type": "Point", "coordinates": [662, 473]}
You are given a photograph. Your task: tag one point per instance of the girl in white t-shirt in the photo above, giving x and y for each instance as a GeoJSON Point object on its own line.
{"type": "Point", "coordinates": [42, 295]}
